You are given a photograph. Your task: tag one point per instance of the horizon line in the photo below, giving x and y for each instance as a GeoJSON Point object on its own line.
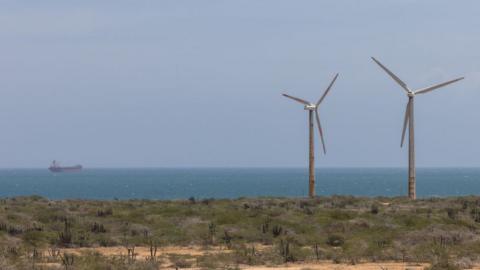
{"type": "Point", "coordinates": [245, 167]}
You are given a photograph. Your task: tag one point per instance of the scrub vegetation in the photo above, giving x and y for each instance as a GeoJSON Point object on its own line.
{"type": "Point", "coordinates": [37, 233]}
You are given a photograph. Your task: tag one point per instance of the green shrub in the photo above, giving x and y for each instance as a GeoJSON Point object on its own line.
{"type": "Point", "coordinates": [34, 238]}
{"type": "Point", "coordinates": [341, 215]}
{"type": "Point", "coordinates": [335, 240]}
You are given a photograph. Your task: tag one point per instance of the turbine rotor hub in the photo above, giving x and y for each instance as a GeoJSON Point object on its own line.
{"type": "Point", "coordinates": [411, 94]}
{"type": "Point", "coordinates": [310, 107]}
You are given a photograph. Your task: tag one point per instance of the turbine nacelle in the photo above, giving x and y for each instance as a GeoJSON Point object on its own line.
{"type": "Point", "coordinates": [411, 94]}
{"type": "Point", "coordinates": [313, 107]}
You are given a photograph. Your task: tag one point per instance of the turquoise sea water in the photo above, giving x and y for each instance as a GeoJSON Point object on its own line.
{"type": "Point", "coordinates": [233, 183]}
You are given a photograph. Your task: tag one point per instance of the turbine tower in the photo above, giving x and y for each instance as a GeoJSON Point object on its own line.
{"type": "Point", "coordinates": [409, 120]}
{"type": "Point", "coordinates": [313, 108]}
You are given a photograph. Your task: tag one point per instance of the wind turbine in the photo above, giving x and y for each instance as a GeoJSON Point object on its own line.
{"type": "Point", "coordinates": [409, 119]}
{"type": "Point", "coordinates": [313, 108]}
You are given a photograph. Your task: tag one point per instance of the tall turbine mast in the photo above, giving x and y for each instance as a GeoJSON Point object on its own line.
{"type": "Point", "coordinates": [313, 108]}
{"type": "Point", "coordinates": [409, 121]}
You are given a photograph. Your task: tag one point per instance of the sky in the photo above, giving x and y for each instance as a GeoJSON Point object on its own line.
{"type": "Point", "coordinates": [198, 83]}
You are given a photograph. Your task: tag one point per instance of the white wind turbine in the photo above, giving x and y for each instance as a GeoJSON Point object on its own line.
{"type": "Point", "coordinates": [409, 119]}
{"type": "Point", "coordinates": [311, 108]}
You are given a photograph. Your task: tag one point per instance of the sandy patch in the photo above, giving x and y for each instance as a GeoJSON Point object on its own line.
{"type": "Point", "coordinates": [144, 252]}
{"type": "Point", "coordinates": [332, 266]}
{"type": "Point", "coordinates": [194, 251]}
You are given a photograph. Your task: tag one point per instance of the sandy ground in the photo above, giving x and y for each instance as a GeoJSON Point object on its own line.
{"type": "Point", "coordinates": [144, 252]}
{"type": "Point", "coordinates": [319, 266]}
{"type": "Point", "coordinates": [331, 266]}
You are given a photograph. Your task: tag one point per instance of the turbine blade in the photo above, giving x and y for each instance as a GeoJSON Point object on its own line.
{"type": "Point", "coordinates": [400, 82]}
{"type": "Point", "coordinates": [433, 87]}
{"type": "Point", "coordinates": [405, 122]}
{"type": "Point", "coordinates": [297, 99]}
{"type": "Point", "coordinates": [328, 89]}
{"type": "Point", "coordinates": [320, 131]}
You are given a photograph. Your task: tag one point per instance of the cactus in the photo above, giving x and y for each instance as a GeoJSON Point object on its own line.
{"type": "Point", "coordinates": [131, 255]}
{"type": "Point", "coordinates": [153, 250]}
{"type": "Point", "coordinates": [53, 252]}
{"type": "Point", "coordinates": [212, 229]}
{"type": "Point", "coordinates": [227, 238]}
{"type": "Point", "coordinates": [65, 237]}
{"type": "Point", "coordinates": [13, 251]}
{"type": "Point", "coordinates": [146, 233]}
{"type": "Point", "coordinates": [67, 260]}
{"type": "Point", "coordinates": [98, 228]}
{"type": "Point", "coordinates": [104, 213]}
{"type": "Point", "coordinates": [12, 230]}
{"type": "Point", "coordinates": [35, 254]}
{"type": "Point", "coordinates": [285, 251]}
{"type": "Point", "coordinates": [277, 230]}
{"type": "Point", "coordinates": [475, 214]}
{"type": "Point", "coordinates": [264, 228]}
{"type": "Point", "coordinates": [317, 251]}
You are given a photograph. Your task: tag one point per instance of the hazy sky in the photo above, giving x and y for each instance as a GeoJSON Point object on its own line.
{"type": "Point", "coordinates": [198, 83]}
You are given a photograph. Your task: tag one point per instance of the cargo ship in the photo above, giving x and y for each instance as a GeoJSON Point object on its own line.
{"type": "Point", "coordinates": [55, 167]}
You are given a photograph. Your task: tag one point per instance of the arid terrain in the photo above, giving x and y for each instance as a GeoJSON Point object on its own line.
{"type": "Point", "coordinates": [143, 253]}
{"type": "Point", "coordinates": [257, 233]}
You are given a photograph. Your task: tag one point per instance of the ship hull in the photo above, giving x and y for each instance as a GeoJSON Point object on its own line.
{"type": "Point", "coordinates": [66, 169]}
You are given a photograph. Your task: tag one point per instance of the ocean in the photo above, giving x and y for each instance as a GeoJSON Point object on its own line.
{"type": "Point", "coordinates": [107, 184]}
